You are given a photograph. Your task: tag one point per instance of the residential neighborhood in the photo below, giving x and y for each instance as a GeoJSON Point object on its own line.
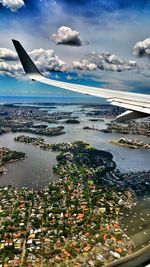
{"type": "Point", "coordinates": [69, 223]}
{"type": "Point", "coordinates": [137, 128]}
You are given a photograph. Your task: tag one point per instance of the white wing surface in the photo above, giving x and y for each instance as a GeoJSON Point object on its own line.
{"type": "Point", "coordinates": [137, 105]}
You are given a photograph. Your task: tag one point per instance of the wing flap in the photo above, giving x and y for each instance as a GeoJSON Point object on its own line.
{"type": "Point", "coordinates": [131, 107]}
{"type": "Point", "coordinates": [136, 102]}
{"type": "Point", "coordinates": [130, 115]}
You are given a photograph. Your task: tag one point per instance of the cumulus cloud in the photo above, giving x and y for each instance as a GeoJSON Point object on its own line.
{"type": "Point", "coordinates": [7, 54]}
{"type": "Point", "coordinates": [84, 65]}
{"type": "Point", "coordinates": [12, 70]}
{"type": "Point", "coordinates": [67, 36]}
{"type": "Point", "coordinates": [46, 61]}
{"type": "Point", "coordinates": [103, 61]}
{"type": "Point", "coordinates": [142, 48]}
{"type": "Point", "coordinates": [13, 5]}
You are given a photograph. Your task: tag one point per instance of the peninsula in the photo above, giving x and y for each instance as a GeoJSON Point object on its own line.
{"type": "Point", "coordinates": [105, 173]}
{"type": "Point", "coordinates": [7, 156]}
{"type": "Point", "coordinates": [138, 128]}
{"type": "Point", "coordinates": [134, 144]}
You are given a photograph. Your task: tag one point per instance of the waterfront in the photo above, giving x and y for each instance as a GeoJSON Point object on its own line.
{"type": "Point", "coordinates": [36, 171]}
{"type": "Point", "coordinates": [70, 219]}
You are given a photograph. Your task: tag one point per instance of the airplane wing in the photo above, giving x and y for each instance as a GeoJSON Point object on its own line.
{"type": "Point", "coordinates": [137, 105]}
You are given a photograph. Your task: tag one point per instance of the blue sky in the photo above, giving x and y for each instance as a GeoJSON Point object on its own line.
{"type": "Point", "coordinates": [109, 29]}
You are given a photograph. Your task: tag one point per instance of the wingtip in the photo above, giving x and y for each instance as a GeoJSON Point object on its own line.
{"type": "Point", "coordinates": [15, 41]}
{"type": "Point", "coordinates": [27, 63]}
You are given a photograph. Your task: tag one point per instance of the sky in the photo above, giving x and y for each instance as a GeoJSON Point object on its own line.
{"type": "Point", "coordinates": [104, 43]}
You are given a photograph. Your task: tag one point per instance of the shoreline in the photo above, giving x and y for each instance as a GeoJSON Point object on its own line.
{"type": "Point", "coordinates": [83, 203]}
{"type": "Point", "coordinates": [40, 143]}
{"type": "Point", "coordinates": [116, 142]}
{"type": "Point", "coordinates": [14, 156]}
{"type": "Point", "coordinates": [12, 161]}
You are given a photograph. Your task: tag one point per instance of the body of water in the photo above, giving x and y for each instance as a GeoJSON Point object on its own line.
{"type": "Point", "coordinates": [36, 170]}
{"type": "Point", "coordinates": [52, 99]}
{"type": "Point", "coordinates": [136, 223]}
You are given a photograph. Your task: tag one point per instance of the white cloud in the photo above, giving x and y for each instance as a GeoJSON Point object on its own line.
{"type": "Point", "coordinates": [7, 54]}
{"type": "Point", "coordinates": [13, 70]}
{"type": "Point", "coordinates": [67, 36]}
{"type": "Point", "coordinates": [103, 61]}
{"type": "Point", "coordinates": [84, 65]}
{"type": "Point", "coordinates": [46, 61]}
{"type": "Point", "coordinates": [142, 48]}
{"type": "Point", "coordinates": [13, 5]}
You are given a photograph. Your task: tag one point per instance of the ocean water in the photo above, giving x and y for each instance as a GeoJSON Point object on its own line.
{"type": "Point", "coordinates": [41, 99]}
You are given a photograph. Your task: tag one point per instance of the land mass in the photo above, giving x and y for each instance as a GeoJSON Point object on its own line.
{"type": "Point", "coordinates": [138, 128]}
{"type": "Point", "coordinates": [7, 156]}
{"type": "Point", "coordinates": [106, 173]}
{"type": "Point", "coordinates": [77, 220]}
{"type": "Point", "coordinates": [30, 119]}
{"type": "Point", "coordinates": [74, 221]}
{"type": "Point", "coordinates": [134, 144]}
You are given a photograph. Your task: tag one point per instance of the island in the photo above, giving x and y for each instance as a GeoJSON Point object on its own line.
{"type": "Point", "coordinates": [72, 121]}
{"type": "Point", "coordinates": [134, 144]}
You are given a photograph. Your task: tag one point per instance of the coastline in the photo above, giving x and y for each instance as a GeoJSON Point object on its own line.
{"type": "Point", "coordinates": [9, 156]}
{"type": "Point", "coordinates": [128, 145]}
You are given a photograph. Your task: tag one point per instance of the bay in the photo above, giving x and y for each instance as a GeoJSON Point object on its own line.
{"type": "Point", "coordinates": [36, 171]}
